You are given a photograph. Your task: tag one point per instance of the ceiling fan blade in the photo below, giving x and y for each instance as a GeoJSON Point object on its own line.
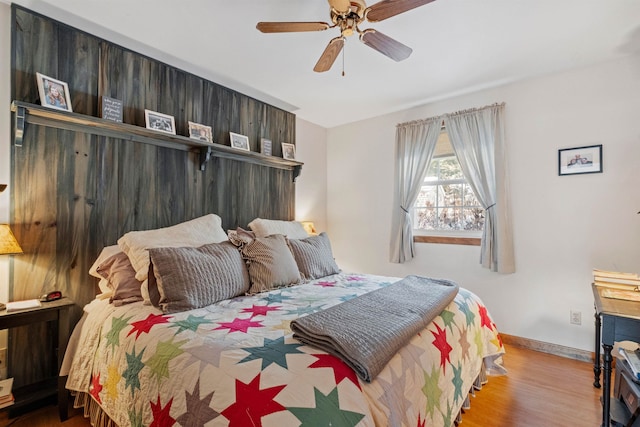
{"type": "Point", "coordinates": [289, 27]}
{"type": "Point", "coordinates": [340, 5]}
{"type": "Point", "coordinates": [329, 55]}
{"type": "Point", "coordinates": [388, 8]}
{"type": "Point", "coordinates": [385, 45]}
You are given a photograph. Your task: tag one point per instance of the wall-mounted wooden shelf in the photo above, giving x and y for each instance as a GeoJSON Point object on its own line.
{"type": "Point", "coordinates": [35, 114]}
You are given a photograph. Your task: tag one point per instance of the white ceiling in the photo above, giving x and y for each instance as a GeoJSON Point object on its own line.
{"type": "Point", "coordinates": [459, 46]}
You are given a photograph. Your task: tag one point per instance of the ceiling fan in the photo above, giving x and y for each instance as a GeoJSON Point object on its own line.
{"type": "Point", "coordinates": [347, 15]}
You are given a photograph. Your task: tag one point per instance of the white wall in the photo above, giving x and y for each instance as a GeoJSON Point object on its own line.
{"type": "Point", "coordinates": [563, 226]}
{"type": "Point", "coordinates": [311, 185]}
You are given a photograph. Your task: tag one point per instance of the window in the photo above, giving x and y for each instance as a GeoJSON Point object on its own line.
{"type": "Point", "coordinates": [446, 201]}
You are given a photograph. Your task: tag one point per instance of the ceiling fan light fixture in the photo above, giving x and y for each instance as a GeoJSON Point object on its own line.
{"type": "Point", "coordinates": [347, 15]}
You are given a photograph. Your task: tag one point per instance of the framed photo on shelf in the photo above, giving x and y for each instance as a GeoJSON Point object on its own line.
{"type": "Point", "coordinates": [201, 132]}
{"type": "Point", "coordinates": [288, 151]}
{"type": "Point", "coordinates": [241, 142]}
{"type": "Point", "coordinates": [160, 122]}
{"type": "Point", "coordinates": [580, 160]}
{"type": "Point", "coordinates": [265, 146]}
{"type": "Point", "coordinates": [53, 93]}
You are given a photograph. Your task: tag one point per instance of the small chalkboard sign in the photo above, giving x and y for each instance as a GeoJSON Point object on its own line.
{"type": "Point", "coordinates": [265, 146]}
{"type": "Point", "coordinates": [111, 109]}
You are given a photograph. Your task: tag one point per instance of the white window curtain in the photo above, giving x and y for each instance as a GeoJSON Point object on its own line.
{"type": "Point", "coordinates": [477, 137]}
{"type": "Point", "coordinates": [415, 142]}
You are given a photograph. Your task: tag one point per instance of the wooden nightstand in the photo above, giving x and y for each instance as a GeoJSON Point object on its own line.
{"type": "Point", "coordinates": [56, 314]}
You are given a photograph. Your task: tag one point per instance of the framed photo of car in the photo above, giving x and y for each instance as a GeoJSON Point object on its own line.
{"type": "Point", "coordinates": [160, 122]}
{"type": "Point", "coordinates": [580, 160]}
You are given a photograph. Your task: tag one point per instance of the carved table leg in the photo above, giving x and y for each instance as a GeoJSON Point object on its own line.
{"type": "Point", "coordinates": [596, 361]}
{"type": "Point", "coordinates": [606, 389]}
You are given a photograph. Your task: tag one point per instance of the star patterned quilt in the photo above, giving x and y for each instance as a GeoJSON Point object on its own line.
{"type": "Point", "coordinates": [236, 363]}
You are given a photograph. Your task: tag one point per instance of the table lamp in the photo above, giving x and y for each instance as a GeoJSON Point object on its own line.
{"type": "Point", "coordinates": [8, 243]}
{"type": "Point", "coordinates": [8, 246]}
{"type": "Point", "coordinates": [309, 227]}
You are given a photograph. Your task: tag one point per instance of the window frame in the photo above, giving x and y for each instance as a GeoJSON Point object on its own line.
{"type": "Point", "coordinates": [456, 237]}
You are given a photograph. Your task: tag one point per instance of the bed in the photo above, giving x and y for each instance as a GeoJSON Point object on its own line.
{"type": "Point", "coordinates": [235, 362]}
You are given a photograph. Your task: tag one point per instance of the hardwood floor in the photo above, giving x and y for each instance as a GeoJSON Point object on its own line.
{"type": "Point", "coordinates": [540, 390]}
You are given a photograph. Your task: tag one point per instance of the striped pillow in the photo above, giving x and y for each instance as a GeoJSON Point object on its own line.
{"type": "Point", "coordinates": [314, 256]}
{"type": "Point", "coordinates": [270, 263]}
{"type": "Point", "coordinates": [191, 278]}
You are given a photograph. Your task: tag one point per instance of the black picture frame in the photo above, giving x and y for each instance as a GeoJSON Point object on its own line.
{"type": "Point", "coordinates": [580, 160]}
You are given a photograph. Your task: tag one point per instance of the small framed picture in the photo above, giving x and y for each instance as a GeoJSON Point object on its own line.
{"type": "Point", "coordinates": [160, 122]}
{"type": "Point", "coordinates": [579, 160]}
{"type": "Point", "coordinates": [265, 146]}
{"type": "Point", "coordinates": [238, 141]}
{"type": "Point", "coordinates": [201, 132]}
{"type": "Point", "coordinates": [53, 93]}
{"type": "Point", "coordinates": [288, 151]}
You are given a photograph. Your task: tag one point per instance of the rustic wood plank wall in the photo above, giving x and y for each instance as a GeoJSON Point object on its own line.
{"type": "Point", "coordinates": [73, 193]}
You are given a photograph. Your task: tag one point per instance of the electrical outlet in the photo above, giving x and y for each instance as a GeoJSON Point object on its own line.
{"type": "Point", "coordinates": [575, 317]}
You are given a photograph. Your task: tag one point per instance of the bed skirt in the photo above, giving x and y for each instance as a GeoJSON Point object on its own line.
{"type": "Point", "coordinates": [98, 418]}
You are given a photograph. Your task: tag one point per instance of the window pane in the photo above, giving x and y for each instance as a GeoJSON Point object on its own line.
{"type": "Point", "coordinates": [450, 169]}
{"type": "Point", "coordinates": [426, 197]}
{"type": "Point", "coordinates": [470, 197]}
{"type": "Point", "coordinates": [473, 219]}
{"type": "Point", "coordinates": [426, 219]}
{"type": "Point", "coordinates": [451, 195]}
{"type": "Point", "coordinates": [451, 219]}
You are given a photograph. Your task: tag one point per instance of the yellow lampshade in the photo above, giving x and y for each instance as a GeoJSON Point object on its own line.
{"type": "Point", "coordinates": [309, 227]}
{"type": "Point", "coordinates": [8, 243]}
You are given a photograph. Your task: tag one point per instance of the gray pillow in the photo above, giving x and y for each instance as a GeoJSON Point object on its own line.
{"type": "Point", "coordinates": [189, 278]}
{"type": "Point", "coordinates": [314, 256]}
{"type": "Point", "coordinates": [270, 263]}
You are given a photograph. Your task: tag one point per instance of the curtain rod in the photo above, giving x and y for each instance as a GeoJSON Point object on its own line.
{"type": "Point", "coordinates": [440, 117]}
{"type": "Point", "coordinates": [473, 110]}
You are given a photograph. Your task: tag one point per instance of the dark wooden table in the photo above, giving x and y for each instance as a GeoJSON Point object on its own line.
{"type": "Point", "coordinates": [616, 320]}
{"type": "Point", "coordinates": [56, 314]}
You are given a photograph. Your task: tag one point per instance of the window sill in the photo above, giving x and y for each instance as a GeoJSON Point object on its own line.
{"type": "Point", "coordinates": [449, 240]}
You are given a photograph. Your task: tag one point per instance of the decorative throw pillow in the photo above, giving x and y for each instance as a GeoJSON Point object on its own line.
{"type": "Point", "coordinates": [121, 277]}
{"type": "Point", "coordinates": [266, 227]}
{"type": "Point", "coordinates": [241, 237]}
{"type": "Point", "coordinates": [314, 256]}
{"type": "Point", "coordinates": [193, 233]}
{"type": "Point", "coordinates": [190, 278]}
{"type": "Point", "coordinates": [270, 263]}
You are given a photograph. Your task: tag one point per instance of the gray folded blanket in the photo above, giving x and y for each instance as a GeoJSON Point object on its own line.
{"type": "Point", "coordinates": [367, 331]}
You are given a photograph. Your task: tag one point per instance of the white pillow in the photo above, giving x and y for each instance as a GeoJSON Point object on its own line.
{"type": "Point", "coordinates": [197, 232]}
{"type": "Point", "coordinates": [267, 227]}
{"type": "Point", "coordinates": [103, 284]}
